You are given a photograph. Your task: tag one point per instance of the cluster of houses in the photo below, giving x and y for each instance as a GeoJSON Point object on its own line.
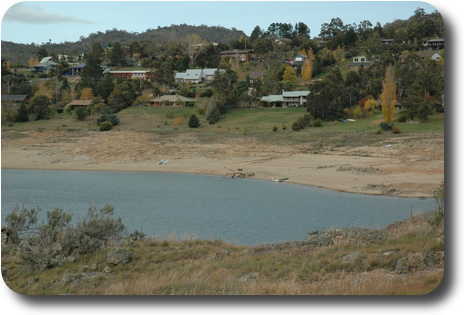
{"type": "Point", "coordinates": [287, 98]}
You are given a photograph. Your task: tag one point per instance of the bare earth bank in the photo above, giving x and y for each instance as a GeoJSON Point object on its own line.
{"type": "Point", "coordinates": [412, 166]}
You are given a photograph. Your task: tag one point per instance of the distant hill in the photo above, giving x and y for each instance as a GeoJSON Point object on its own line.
{"type": "Point", "coordinates": [21, 53]}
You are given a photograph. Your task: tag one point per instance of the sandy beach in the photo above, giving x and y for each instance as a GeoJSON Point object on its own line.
{"type": "Point", "coordinates": [410, 166]}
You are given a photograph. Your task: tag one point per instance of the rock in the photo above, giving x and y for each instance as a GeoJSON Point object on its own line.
{"type": "Point", "coordinates": [118, 255]}
{"type": "Point", "coordinates": [83, 268]}
{"type": "Point", "coordinates": [249, 276]}
{"type": "Point", "coordinates": [107, 269]}
{"type": "Point", "coordinates": [401, 265]}
{"type": "Point", "coordinates": [94, 267]}
{"type": "Point", "coordinates": [351, 257]}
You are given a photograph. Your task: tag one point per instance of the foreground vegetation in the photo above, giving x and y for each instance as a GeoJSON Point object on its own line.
{"type": "Point", "coordinates": [406, 258]}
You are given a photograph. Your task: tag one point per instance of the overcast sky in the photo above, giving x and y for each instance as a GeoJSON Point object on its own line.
{"type": "Point", "coordinates": [59, 21]}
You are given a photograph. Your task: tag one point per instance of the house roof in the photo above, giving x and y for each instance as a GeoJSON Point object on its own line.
{"type": "Point", "coordinates": [236, 51]}
{"type": "Point", "coordinates": [295, 93]}
{"type": "Point", "coordinates": [256, 75]}
{"type": "Point", "coordinates": [80, 103]}
{"type": "Point", "coordinates": [171, 98]}
{"type": "Point", "coordinates": [422, 54]}
{"type": "Point", "coordinates": [193, 74]}
{"type": "Point", "coordinates": [272, 98]}
{"type": "Point", "coordinates": [14, 98]}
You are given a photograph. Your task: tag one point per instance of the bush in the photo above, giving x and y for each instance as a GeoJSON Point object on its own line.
{"type": "Point", "coordinates": [193, 121]}
{"type": "Point", "coordinates": [284, 127]}
{"type": "Point", "coordinates": [80, 113]}
{"type": "Point", "coordinates": [396, 130]}
{"type": "Point", "coordinates": [275, 128]}
{"type": "Point", "coordinates": [386, 126]}
{"type": "Point", "coordinates": [403, 118]}
{"type": "Point", "coordinates": [317, 123]}
{"type": "Point", "coordinates": [106, 125]}
{"type": "Point", "coordinates": [296, 126]}
{"type": "Point", "coordinates": [113, 118]}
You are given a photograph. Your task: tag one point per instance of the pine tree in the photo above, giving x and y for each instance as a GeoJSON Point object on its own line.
{"type": "Point", "coordinates": [389, 94]}
{"type": "Point", "coordinates": [194, 122]}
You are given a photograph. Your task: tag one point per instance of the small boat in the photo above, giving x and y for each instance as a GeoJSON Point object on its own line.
{"type": "Point", "coordinates": [162, 162]}
{"type": "Point", "coordinates": [279, 180]}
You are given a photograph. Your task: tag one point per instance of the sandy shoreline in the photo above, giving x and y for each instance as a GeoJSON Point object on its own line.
{"type": "Point", "coordinates": [407, 169]}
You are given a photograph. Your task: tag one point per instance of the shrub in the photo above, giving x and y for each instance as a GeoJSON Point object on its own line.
{"type": "Point", "coordinates": [396, 130]}
{"type": "Point", "coordinates": [378, 132]}
{"type": "Point", "coordinates": [317, 123]}
{"type": "Point", "coordinates": [275, 128]}
{"type": "Point", "coordinates": [296, 126]}
{"type": "Point", "coordinates": [113, 118]}
{"type": "Point", "coordinates": [106, 125]}
{"type": "Point", "coordinates": [403, 118]}
{"type": "Point", "coordinates": [386, 126]}
{"type": "Point", "coordinates": [284, 127]}
{"type": "Point", "coordinates": [170, 114]}
{"type": "Point", "coordinates": [80, 114]}
{"type": "Point", "coordinates": [193, 121]}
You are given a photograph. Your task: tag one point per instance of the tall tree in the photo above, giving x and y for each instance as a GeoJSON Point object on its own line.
{"type": "Point", "coordinates": [389, 94]}
{"type": "Point", "coordinates": [116, 55]}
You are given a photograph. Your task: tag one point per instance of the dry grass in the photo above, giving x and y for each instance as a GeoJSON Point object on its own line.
{"type": "Point", "coordinates": [190, 266]}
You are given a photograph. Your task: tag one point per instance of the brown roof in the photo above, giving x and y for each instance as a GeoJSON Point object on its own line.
{"type": "Point", "coordinates": [80, 103]}
{"type": "Point", "coordinates": [422, 54]}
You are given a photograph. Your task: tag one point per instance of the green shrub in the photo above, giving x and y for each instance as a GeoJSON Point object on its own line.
{"type": "Point", "coordinates": [80, 114]}
{"type": "Point", "coordinates": [284, 127]}
{"type": "Point", "coordinates": [386, 126]}
{"type": "Point", "coordinates": [317, 123]}
{"type": "Point", "coordinates": [403, 118]}
{"type": "Point", "coordinates": [378, 132]}
{"type": "Point", "coordinates": [113, 118]}
{"type": "Point", "coordinates": [193, 121]}
{"type": "Point", "coordinates": [106, 125]}
{"type": "Point", "coordinates": [296, 126]}
{"type": "Point", "coordinates": [275, 128]}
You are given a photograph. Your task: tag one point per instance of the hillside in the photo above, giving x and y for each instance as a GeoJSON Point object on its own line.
{"type": "Point", "coordinates": [20, 53]}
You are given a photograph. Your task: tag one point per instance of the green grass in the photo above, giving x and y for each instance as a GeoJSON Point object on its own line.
{"type": "Point", "coordinates": [258, 122]}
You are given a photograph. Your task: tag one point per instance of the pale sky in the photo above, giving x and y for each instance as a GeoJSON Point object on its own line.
{"type": "Point", "coordinates": [40, 21]}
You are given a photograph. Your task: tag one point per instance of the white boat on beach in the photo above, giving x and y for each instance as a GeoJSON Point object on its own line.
{"type": "Point", "coordinates": [279, 180]}
{"type": "Point", "coordinates": [162, 162]}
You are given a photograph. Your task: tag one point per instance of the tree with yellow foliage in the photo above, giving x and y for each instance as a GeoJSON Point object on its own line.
{"type": "Point", "coordinates": [87, 94]}
{"type": "Point", "coordinates": [289, 75]}
{"type": "Point", "coordinates": [33, 61]}
{"type": "Point", "coordinates": [389, 94]}
{"type": "Point", "coordinates": [307, 70]}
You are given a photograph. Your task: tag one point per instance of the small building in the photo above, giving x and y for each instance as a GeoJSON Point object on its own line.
{"type": "Point", "coordinates": [79, 103]}
{"type": "Point", "coordinates": [387, 41]}
{"type": "Point", "coordinates": [436, 44]}
{"type": "Point", "coordinates": [44, 65]}
{"type": "Point", "coordinates": [243, 55]}
{"type": "Point", "coordinates": [361, 60]}
{"type": "Point", "coordinates": [14, 98]}
{"type": "Point", "coordinates": [134, 74]}
{"type": "Point", "coordinates": [196, 75]}
{"type": "Point", "coordinates": [288, 98]}
{"type": "Point", "coordinates": [77, 69]}
{"type": "Point", "coordinates": [255, 76]}
{"type": "Point", "coordinates": [172, 100]}
{"type": "Point", "coordinates": [423, 55]}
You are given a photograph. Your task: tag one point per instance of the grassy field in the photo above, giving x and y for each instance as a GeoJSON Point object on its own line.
{"type": "Point", "coordinates": [258, 121]}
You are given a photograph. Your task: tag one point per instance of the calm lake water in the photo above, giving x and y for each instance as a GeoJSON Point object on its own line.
{"type": "Point", "coordinates": [241, 211]}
